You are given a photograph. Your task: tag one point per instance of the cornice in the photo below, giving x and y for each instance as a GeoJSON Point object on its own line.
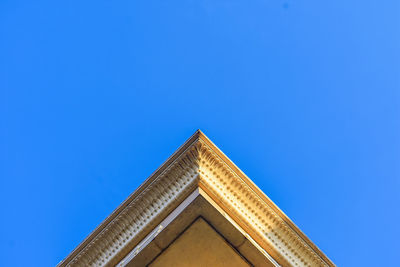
{"type": "Point", "coordinates": [197, 163]}
{"type": "Point", "coordinates": [254, 211]}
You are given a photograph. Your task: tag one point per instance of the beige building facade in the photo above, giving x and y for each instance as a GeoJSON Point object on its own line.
{"type": "Point", "coordinates": [197, 209]}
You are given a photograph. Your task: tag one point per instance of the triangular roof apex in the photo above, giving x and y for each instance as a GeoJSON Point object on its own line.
{"type": "Point", "coordinates": [198, 163]}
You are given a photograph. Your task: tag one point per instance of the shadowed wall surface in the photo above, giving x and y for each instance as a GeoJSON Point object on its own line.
{"type": "Point", "coordinates": [199, 245]}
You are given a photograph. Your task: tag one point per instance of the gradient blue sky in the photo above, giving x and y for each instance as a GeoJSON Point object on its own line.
{"type": "Point", "coordinates": [302, 95]}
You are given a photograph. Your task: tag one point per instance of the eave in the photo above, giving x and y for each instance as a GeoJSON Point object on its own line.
{"type": "Point", "coordinates": [198, 163]}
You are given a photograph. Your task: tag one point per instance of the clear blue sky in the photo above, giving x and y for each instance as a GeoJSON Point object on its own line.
{"type": "Point", "coordinates": [304, 96]}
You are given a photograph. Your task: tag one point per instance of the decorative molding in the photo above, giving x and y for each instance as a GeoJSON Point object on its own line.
{"type": "Point", "coordinates": [198, 163]}
{"type": "Point", "coordinates": [246, 205]}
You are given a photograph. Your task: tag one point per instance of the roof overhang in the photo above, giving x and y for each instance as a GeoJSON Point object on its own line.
{"type": "Point", "coordinates": [196, 206]}
{"type": "Point", "coordinates": [198, 172]}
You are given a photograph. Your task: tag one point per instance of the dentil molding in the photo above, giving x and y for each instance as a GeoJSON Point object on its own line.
{"type": "Point", "coordinates": [197, 163]}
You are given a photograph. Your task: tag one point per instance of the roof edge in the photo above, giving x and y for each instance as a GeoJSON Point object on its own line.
{"type": "Point", "coordinates": [262, 195]}
{"type": "Point", "coordinates": [197, 163]}
{"type": "Point", "coordinates": [132, 196]}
